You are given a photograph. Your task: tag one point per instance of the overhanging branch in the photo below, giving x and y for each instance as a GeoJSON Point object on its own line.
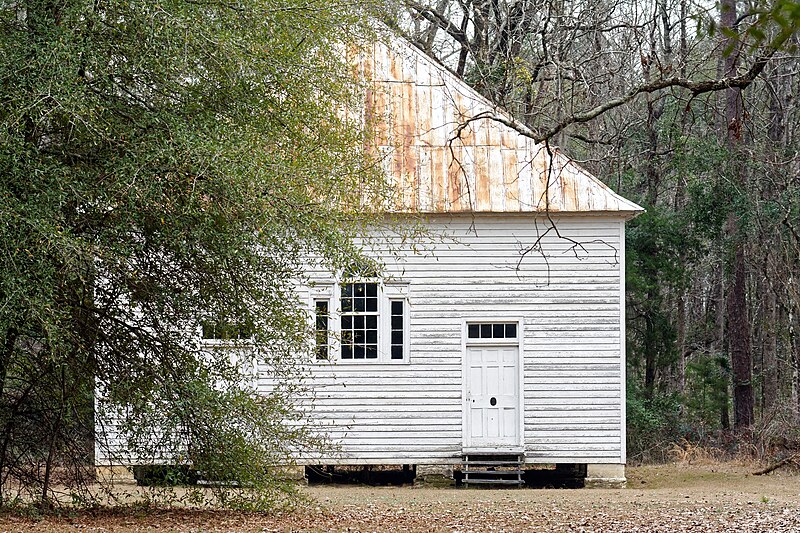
{"type": "Point", "coordinates": [440, 20]}
{"type": "Point", "coordinates": [693, 86]}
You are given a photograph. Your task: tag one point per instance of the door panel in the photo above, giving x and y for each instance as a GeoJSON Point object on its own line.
{"type": "Point", "coordinates": [492, 399]}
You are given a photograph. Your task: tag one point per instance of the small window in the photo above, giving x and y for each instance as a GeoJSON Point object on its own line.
{"type": "Point", "coordinates": [397, 346]}
{"type": "Point", "coordinates": [321, 326]}
{"type": "Point", "coordinates": [226, 330]}
{"type": "Point", "coordinates": [505, 330]}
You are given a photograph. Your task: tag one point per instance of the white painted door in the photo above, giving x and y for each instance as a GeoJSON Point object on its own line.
{"type": "Point", "coordinates": [492, 397]}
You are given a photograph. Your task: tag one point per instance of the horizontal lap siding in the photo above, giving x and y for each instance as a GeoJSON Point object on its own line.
{"type": "Point", "coordinates": [389, 413]}
{"type": "Point", "coordinates": [474, 268]}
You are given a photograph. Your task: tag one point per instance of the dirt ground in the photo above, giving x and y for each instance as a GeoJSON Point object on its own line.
{"type": "Point", "coordinates": [667, 498]}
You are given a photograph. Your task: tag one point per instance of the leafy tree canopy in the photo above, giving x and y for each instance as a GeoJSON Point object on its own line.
{"type": "Point", "coordinates": [165, 166]}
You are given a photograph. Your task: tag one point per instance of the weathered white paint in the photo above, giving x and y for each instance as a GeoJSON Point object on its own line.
{"type": "Point", "coordinates": [568, 293]}
{"type": "Point", "coordinates": [622, 363]}
{"type": "Point", "coordinates": [570, 304]}
{"type": "Point", "coordinates": [491, 396]}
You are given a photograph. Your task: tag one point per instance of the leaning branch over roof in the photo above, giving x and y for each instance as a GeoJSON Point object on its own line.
{"type": "Point", "coordinates": [695, 87]}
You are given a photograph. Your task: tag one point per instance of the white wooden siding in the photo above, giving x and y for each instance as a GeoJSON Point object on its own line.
{"type": "Point", "coordinates": [573, 384]}
{"type": "Point", "coordinates": [572, 349]}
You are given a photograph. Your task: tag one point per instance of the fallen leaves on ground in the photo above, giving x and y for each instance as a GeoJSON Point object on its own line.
{"type": "Point", "coordinates": [682, 501]}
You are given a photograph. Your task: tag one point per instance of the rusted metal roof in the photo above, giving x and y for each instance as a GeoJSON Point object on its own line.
{"type": "Point", "coordinates": [442, 157]}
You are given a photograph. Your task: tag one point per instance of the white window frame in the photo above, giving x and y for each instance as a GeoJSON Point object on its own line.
{"type": "Point", "coordinates": [217, 342]}
{"type": "Point", "coordinates": [388, 291]}
{"type": "Point", "coordinates": [492, 341]}
{"type": "Point", "coordinates": [393, 292]}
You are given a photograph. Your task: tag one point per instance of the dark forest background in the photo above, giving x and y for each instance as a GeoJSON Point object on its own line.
{"type": "Point", "coordinates": [691, 109]}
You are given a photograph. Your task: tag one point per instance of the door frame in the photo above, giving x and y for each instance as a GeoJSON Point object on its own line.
{"type": "Point", "coordinates": [519, 343]}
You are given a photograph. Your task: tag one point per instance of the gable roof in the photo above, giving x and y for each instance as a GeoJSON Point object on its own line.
{"type": "Point", "coordinates": [443, 158]}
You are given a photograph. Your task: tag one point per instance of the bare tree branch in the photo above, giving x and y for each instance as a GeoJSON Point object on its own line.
{"type": "Point", "coordinates": [438, 18]}
{"type": "Point", "coordinates": [695, 87]}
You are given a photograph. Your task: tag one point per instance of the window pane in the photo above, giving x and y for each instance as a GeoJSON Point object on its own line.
{"type": "Point", "coordinates": [511, 331]}
{"type": "Point", "coordinates": [321, 310]}
{"type": "Point", "coordinates": [208, 330]}
{"type": "Point", "coordinates": [225, 330]}
{"type": "Point", "coordinates": [347, 351]}
{"type": "Point", "coordinates": [359, 320]}
{"type": "Point", "coordinates": [396, 339]}
{"type": "Point", "coordinates": [504, 330]}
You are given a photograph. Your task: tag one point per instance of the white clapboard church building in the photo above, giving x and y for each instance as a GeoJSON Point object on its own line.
{"type": "Point", "coordinates": [500, 338]}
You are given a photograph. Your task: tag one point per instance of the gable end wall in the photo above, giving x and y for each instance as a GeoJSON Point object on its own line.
{"type": "Point", "coordinates": [572, 305]}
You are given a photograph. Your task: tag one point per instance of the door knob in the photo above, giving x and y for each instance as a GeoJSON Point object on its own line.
{"type": "Point", "coordinates": [493, 401]}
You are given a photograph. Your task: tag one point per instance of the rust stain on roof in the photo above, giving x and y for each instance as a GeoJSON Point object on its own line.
{"type": "Point", "coordinates": [442, 159]}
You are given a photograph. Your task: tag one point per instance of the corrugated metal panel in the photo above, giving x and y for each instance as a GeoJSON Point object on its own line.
{"type": "Point", "coordinates": [442, 159]}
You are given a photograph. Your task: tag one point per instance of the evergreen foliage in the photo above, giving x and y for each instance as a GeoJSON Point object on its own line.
{"type": "Point", "coordinates": [690, 110]}
{"type": "Point", "coordinates": [165, 166]}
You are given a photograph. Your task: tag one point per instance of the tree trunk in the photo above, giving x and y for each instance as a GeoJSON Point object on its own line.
{"type": "Point", "coordinates": [794, 344]}
{"type": "Point", "coordinates": [736, 305]}
{"type": "Point", "coordinates": [770, 390]}
{"type": "Point", "coordinates": [55, 437]}
{"type": "Point", "coordinates": [649, 347]}
{"type": "Point", "coordinates": [739, 342]}
{"type": "Point", "coordinates": [680, 370]}
{"type": "Point", "coordinates": [724, 414]}
{"type": "Point", "coordinates": [719, 344]}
